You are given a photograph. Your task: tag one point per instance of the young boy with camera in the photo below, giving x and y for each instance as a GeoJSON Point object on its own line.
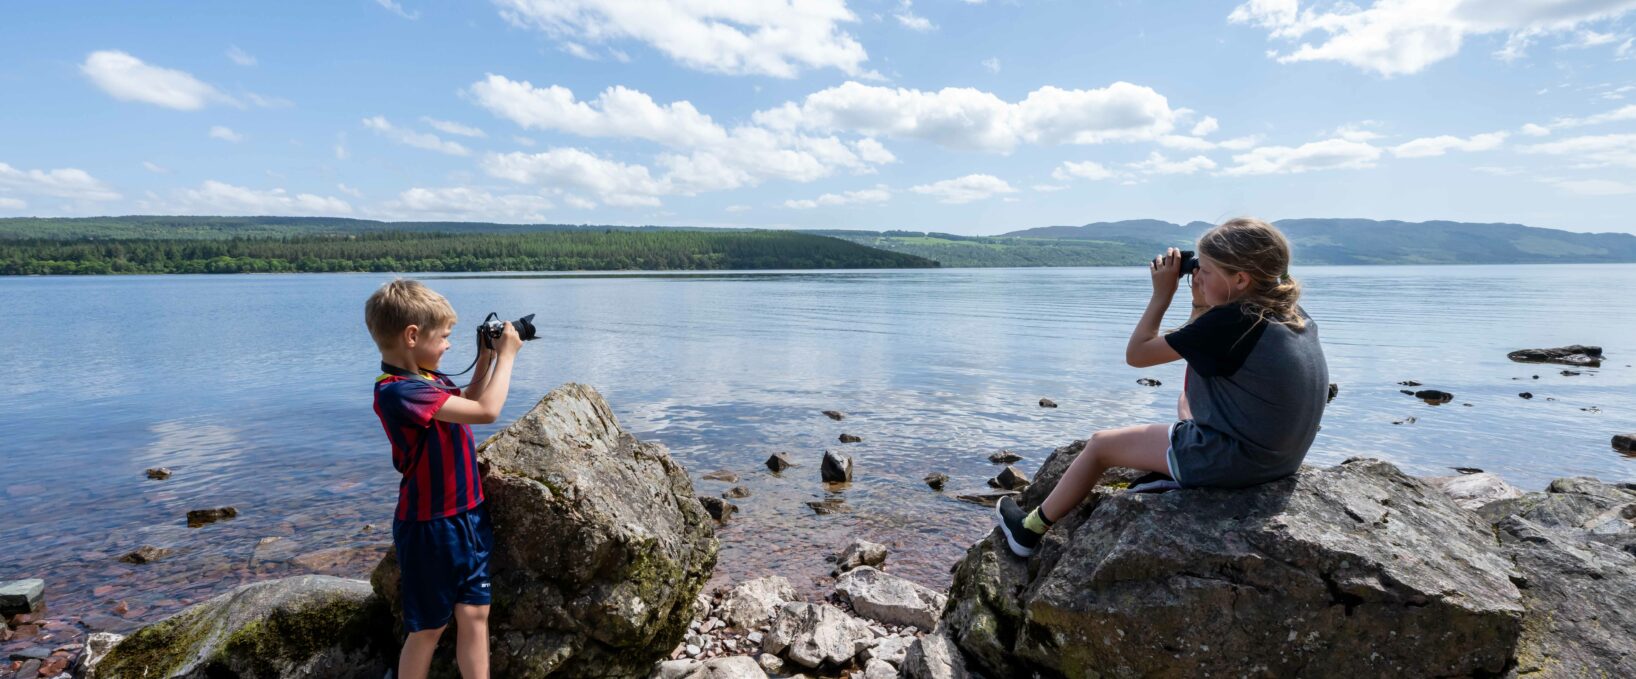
{"type": "Point", "coordinates": [441, 530]}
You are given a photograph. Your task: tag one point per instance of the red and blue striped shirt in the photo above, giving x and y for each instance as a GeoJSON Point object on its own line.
{"type": "Point", "coordinates": [437, 459]}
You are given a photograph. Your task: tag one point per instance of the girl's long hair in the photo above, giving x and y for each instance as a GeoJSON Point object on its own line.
{"type": "Point", "coordinates": [1259, 249]}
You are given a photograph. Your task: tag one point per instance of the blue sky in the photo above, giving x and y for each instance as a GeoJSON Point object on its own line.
{"type": "Point", "coordinates": [964, 116]}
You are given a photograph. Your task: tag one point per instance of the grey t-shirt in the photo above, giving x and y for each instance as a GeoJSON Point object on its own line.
{"type": "Point", "coordinates": [1256, 390]}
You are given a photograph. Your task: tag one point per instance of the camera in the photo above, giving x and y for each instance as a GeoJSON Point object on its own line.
{"type": "Point", "coordinates": [1190, 264]}
{"type": "Point", "coordinates": [492, 328]}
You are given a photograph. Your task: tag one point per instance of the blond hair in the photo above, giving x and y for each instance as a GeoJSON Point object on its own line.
{"type": "Point", "coordinates": [400, 304]}
{"type": "Point", "coordinates": [1259, 249]}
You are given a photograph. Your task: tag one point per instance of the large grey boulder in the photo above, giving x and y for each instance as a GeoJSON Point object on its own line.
{"type": "Point", "coordinates": [816, 635]}
{"type": "Point", "coordinates": [934, 656]}
{"type": "Point", "coordinates": [1474, 490]}
{"type": "Point", "coordinates": [1354, 569]}
{"type": "Point", "coordinates": [887, 598]}
{"type": "Point", "coordinates": [600, 547]}
{"type": "Point", "coordinates": [303, 626]}
{"type": "Point", "coordinates": [730, 667]}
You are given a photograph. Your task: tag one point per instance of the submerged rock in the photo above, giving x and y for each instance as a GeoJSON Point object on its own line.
{"type": "Point", "coordinates": [835, 415]}
{"type": "Point", "coordinates": [736, 493]}
{"type": "Point", "coordinates": [21, 597]}
{"type": "Point", "coordinates": [848, 438]}
{"type": "Point", "coordinates": [1010, 478]}
{"type": "Point", "coordinates": [1334, 389]}
{"type": "Point", "coordinates": [721, 475]}
{"type": "Point", "coordinates": [600, 547]}
{"type": "Point", "coordinates": [158, 473]}
{"type": "Point", "coordinates": [719, 509]}
{"type": "Point", "coordinates": [1574, 354]}
{"type": "Point", "coordinates": [1148, 382]}
{"type": "Point", "coordinates": [1624, 443]}
{"type": "Point", "coordinates": [779, 462]}
{"type": "Point", "coordinates": [1434, 396]}
{"type": "Point", "coordinates": [1336, 571]}
{"type": "Point", "coordinates": [146, 554]}
{"type": "Point", "coordinates": [308, 625]}
{"type": "Point", "coordinates": [1004, 457]}
{"type": "Point", "coordinates": [859, 553]}
{"type": "Point", "coordinates": [200, 517]}
{"type": "Point", "coordinates": [936, 480]}
{"type": "Point", "coordinates": [1047, 403]}
{"type": "Point", "coordinates": [836, 468]}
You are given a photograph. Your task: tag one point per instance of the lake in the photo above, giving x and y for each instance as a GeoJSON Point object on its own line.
{"type": "Point", "coordinates": [256, 392]}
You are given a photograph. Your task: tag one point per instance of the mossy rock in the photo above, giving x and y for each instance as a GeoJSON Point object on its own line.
{"type": "Point", "coordinates": [307, 626]}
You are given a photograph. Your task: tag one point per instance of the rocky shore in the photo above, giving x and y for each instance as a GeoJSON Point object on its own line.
{"type": "Point", "coordinates": [603, 549]}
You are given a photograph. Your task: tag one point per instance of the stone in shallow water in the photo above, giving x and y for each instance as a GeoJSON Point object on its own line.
{"type": "Point", "coordinates": [722, 475]}
{"type": "Point", "coordinates": [1004, 457]}
{"type": "Point", "coordinates": [936, 480]}
{"type": "Point", "coordinates": [21, 596]}
{"type": "Point", "coordinates": [158, 473]}
{"type": "Point", "coordinates": [835, 415]}
{"type": "Point", "coordinates": [146, 554]}
{"type": "Point", "coordinates": [779, 462]}
{"type": "Point", "coordinates": [1574, 354]}
{"type": "Point", "coordinates": [200, 517]}
{"type": "Point", "coordinates": [860, 553]}
{"type": "Point", "coordinates": [1047, 403]}
{"type": "Point", "coordinates": [1010, 478]}
{"type": "Point", "coordinates": [849, 438]}
{"type": "Point", "coordinates": [836, 468]}
{"type": "Point", "coordinates": [1624, 443]}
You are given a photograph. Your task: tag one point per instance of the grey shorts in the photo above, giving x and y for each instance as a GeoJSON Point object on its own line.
{"type": "Point", "coordinates": [1199, 456]}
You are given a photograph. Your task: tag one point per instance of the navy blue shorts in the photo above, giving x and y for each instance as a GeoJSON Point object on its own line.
{"type": "Point", "coordinates": [443, 562]}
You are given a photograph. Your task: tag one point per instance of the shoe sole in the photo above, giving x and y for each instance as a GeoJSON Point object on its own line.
{"type": "Point", "coordinates": [1016, 549]}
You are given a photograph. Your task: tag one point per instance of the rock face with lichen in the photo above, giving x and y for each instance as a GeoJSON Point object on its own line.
{"type": "Point", "coordinates": [1354, 569]}
{"type": "Point", "coordinates": [303, 626]}
{"type": "Point", "coordinates": [599, 544]}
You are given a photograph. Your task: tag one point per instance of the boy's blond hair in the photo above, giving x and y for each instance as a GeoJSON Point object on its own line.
{"type": "Point", "coordinates": [400, 304]}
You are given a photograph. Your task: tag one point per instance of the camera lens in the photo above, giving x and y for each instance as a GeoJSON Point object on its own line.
{"type": "Point", "coordinates": [525, 327]}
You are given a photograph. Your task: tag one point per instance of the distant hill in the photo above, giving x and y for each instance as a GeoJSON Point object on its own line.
{"type": "Point", "coordinates": [152, 226]}
{"type": "Point", "coordinates": [1368, 241]}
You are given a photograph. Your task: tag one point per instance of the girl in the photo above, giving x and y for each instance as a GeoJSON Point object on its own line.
{"type": "Point", "coordinates": [1255, 389]}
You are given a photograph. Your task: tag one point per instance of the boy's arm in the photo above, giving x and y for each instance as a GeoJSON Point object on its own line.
{"type": "Point", "coordinates": [480, 378]}
{"type": "Point", "coordinates": [486, 408]}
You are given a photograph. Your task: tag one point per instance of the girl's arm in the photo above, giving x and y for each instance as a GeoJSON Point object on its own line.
{"type": "Point", "coordinates": [1146, 347]}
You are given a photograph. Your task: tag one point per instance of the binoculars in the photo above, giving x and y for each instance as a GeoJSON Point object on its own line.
{"type": "Point", "coordinates": [1190, 263]}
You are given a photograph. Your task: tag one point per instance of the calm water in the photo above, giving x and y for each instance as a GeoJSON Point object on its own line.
{"type": "Point", "coordinates": [255, 391]}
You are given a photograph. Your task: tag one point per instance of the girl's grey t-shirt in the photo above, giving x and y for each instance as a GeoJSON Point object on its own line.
{"type": "Point", "coordinates": [1261, 383]}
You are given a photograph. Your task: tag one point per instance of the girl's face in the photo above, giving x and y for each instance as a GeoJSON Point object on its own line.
{"type": "Point", "coordinates": [1219, 285]}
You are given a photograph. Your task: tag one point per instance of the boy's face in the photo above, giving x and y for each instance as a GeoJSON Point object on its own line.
{"type": "Point", "coordinates": [428, 346]}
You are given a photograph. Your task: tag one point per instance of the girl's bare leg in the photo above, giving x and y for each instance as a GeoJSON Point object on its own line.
{"type": "Point", "coordinates": [1139, 447]}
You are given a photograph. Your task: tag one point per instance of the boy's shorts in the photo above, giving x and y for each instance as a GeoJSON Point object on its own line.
{"type": "Point", "coordinates": [442, 562]}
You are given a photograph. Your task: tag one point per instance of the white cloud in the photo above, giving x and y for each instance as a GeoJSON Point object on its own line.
{"type": "Point", "coordinates": [1358, 131]}
{"type": "Point", "coordinates": [469, 203]}
{"type": "Point", "coordinates": [1206, 126]}
{"type": "Point", "coordinates": [1089, 169]}
{"type": "Point", "coordinates": [225, 133]}
{"type": "Point", "coordinates": [1157, 163]}
{"type": "Point", "coordinates": [397, 8]}
{"type": "Point", "coordinates": [1592, 150]}
{"type": "Point", "coordinates": [1439, 145]}
{"type": "Point", "coordinates": [1398, 37]}
{"type": "Point", "coordinates": [420, 140]}
{"type": "Point", "coordinates": [128, 78]}
{"type": "Point", "coordinates": [617, 112]}
{"type": "Point", "coordinates": [155, 167]}
{"type": "Point", "coordinates": [709, 157]}
{"type": "Point", "coordinates": [1533, 130]}
{"type": "Point", "coordinates": [967, 118]}
{"type": "Point", "coordinates": [220, 198]}
{"type": "Point", "coordinates": [1592, 187]}
{"type": "Point", "coordinates": [523, 141]}
{"type": "Point", "coordinates": [239, 56]}
{"type": "Point", "coordinates": [1329, 154]}
{"type": "Point", "coordinates": [12, 203]}
{"type": "Point", "coordinates": [879, 194]}
{"type": "Point", "coordinates": [777, 38]}
{"type": "Point", "coordinates": [906, 16]}
{"type": "Point", "coordinates": [1240, 143]}
{"type": "Point", "coordinates": [1185, 143]}
{"type": "Point", "coordinates": [965, 189]}
{"type": "Point", "coordinates": [1623, 113]}
{"type": "Point", "coordinates": [1498, 171]}
{"type": "Point", "coordinates": [341, 152]}
{"type": "Point", "coordinates": [351, 191]}
{"type": "Point", "coordinates": [65, 182]}
{"type": "Point", "coordinates": [1048, 188]}
{"type": "Point", "coordinates": [268, 102]}
{"type": "Point", "coordinates": [449, 127]}
{"type": "Point", "coordinates": [562, 169]}
{"type": "Point", "coordinates": [992, 64]}
{"type": "Point", "coordinates": [737, 208]}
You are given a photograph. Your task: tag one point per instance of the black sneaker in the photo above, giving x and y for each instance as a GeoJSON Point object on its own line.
{"type": "Point", "coordinates": [1023, 542]}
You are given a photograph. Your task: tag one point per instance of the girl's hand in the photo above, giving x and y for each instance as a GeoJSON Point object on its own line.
{"type": "Point", "coordinates": [1166, 270]}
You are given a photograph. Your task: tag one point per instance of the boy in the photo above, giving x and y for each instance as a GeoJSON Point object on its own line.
{"type": "Point", "coordinates": [441, 530]}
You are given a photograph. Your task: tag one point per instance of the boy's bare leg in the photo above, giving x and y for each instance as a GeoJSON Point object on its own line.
{"type": "Point", "coordinates": [416, 658]}
{"type": "Point", "coordinates": [471, 644]}
{"type": "Point", "coordinates": [1139, 447]}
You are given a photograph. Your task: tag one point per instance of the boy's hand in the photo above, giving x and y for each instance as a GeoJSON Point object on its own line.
{"type": "Point", "coordinates": [1166, 270]}
{"type": "Point", "coordinates": [509, 341]}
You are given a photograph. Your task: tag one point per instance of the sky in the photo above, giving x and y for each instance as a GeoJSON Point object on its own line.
{"type": "Point", "coordinates": [963, 116]}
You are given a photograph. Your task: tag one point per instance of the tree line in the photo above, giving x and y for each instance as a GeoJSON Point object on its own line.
{"type": "Point", "coordinates": [579, 250]}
